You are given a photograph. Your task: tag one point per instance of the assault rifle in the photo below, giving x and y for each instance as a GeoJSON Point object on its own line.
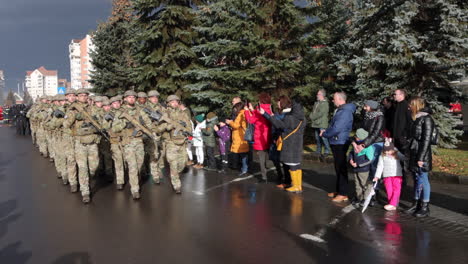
{"type": "Point", "coordinates": [91, 120]}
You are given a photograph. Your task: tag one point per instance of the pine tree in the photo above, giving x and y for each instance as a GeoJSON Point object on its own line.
{"type": "Point", "coordinates": [112, 58]}
{"type": "Point", "coordinates": [251, 46]}
{"type": "Point", "coordinates": [165, 37]}
{"type": "Point", "coordinates": [27, 99]}
{"type": "Point", "coordinates": [418, 45]}
{"type": "Point", "coordinates": [10, 100]}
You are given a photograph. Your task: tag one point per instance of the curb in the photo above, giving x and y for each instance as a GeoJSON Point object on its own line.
{"type": "Point", "coordinates": [441, 177]}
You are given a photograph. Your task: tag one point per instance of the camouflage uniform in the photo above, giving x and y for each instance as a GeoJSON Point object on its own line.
{"type": "Point", "coordinates": [56, 124]}
{"type": "Point", "coordinates": [41, 135]}
{"type": "Point", "coordinates": [132, 143]}
{"type": "Point", "coordinates": [32, 122]}
{"type": "Point", "coordinates": [155, 149]}
{"type": "Point", "coordinates": [104, 145]}
{"type": "Point", "coordinates": [116, 148]}
{"type": "Point", "coordinates": [86, 144]}
{"type": "Point", "coordinates": [176, 144]}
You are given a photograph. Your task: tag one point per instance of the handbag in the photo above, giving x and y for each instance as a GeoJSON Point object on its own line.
{"type": "Point", "coordinates": [280, 140]}
{"type": "Point", "coordinates": [249, 133]}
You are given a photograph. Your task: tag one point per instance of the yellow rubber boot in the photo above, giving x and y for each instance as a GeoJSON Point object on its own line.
{"type": "Point", "coordinates": [296, 177]}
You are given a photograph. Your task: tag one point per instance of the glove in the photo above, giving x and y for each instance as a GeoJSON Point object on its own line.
{"type": "Point", "coordinates": [109, 117]}
{"type": "Point", "coordinates": [129, 125]}
{"type": "Point", "coordinates": [183, 123]}
{"type": "Point", "coordinates": [59, 113]}
{"type": "Point", "coordinates": [96, 118]}
{"type": "Point", "coordinates": [156, 116]}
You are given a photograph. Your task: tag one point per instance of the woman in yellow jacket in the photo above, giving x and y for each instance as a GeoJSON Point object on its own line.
{"type": "Point", "coordinates": [239, 145]}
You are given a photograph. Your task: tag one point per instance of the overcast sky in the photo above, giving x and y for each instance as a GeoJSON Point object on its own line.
{"type": "Point", "coordinates": [36, 33]}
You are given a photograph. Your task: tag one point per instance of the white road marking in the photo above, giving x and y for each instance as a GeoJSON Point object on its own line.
{"type": "Point", "coordinates": [317, 237]}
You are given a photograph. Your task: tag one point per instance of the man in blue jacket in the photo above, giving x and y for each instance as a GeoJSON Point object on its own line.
{"type": "Point", "coordinates": [338, 135]}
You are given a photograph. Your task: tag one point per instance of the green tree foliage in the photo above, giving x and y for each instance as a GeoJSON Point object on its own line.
{"type": "Point", "coordinates": [10, 100]}
{"type": "Point", "coordinates": [418, 45]}
{"type": "Point", "coordinates": [164, 41]}
{"type": "Point", "coordinates": [27, 99]}
{"type": "Point", "coordinates": [250, 46]}
{"type": "Point", "coordinates": [112, 58]}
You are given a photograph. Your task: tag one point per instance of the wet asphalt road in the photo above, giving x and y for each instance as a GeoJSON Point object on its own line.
{"type": "Point", "coordinates": [217, 219]}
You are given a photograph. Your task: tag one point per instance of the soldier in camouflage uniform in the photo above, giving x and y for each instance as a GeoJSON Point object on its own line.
{"type": "Point", "coordinates": [142, 99]}
{"type": "Point", "coordinates": [176, 144]}
{"type": "Point", "coordinates": [104, 145]}
{"type": "Point", "coordinates": [132, 141]}
{"type": "Point", "coordinates": [33, 123]}
{"type": "Point", "coordinates": [115, 140]}
{"type": "Point", "coordinates": [58, 145]}
{"type": "Point", "coordinates": [69, 145]}
{"type": "Point", "coordinates": [156, 151]}
{"type": "Point", "coordinates": [43, 134]}
{"type": "Point", "coordinates": [86, 140]}
{"type": "Point", "coordinates": [37, 117]}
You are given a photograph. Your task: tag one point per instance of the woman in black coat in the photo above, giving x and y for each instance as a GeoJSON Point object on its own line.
{"type": "Point", "coordinates": [420, 162]}
{"type": "Point", "coordinates": [293, 126]}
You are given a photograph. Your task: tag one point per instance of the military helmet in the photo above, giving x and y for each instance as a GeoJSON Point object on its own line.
{"type": "Point", "coordinates": [54, 98]}
{"type": "Point", "coordinates": [61, 97]}
{"type": "Point", "coordinates": [104, 98]}
{"type": "Point", "coordinates": [142, 95]}
{"type": "Point", "coordinates": [82, 91]}
{"type": "Point", "coordinates": [70, 91]}
{"type": "Point", "coordinates": [98, 99]}
{"type": "Point", "coordinates": [106, 102]}
{"type": "Point", "coordinates": [172, 98]}
{"type": "Point", "coordinates": [130, 93]}
{"type": "Point", "coordinates": [114, 99]}
{"type": "Point", "coordinates": [153, 93]}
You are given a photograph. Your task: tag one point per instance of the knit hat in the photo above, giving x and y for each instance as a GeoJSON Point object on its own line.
{"type": "Point", "coordinates": [372, 104]}
{"type": "Point", "coordinates": [200, 117]}
{"type": "Point", "coordinates": [388, 146]}
{"type": "Point", "coordinates": [210, 116]}
{"type": "Point", "coordinates": [362, 134]}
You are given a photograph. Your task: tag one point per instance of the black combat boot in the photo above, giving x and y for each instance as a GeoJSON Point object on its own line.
{"type": "Point", "coordinates": [423, 210]}
{"type": "Point", "coordinates": [413, 208]}
{"type": "Point", "coordinates": [177, 190]}
{"type": "Point", "coordinates": [136, 195]}
{"type": "Point", "coordinates": [119, 187]}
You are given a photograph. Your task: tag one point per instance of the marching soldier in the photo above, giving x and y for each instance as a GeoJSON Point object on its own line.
{"type": "Point", "coordinates": [69, 144]}
{"type": "Point", "coordinates": [104, 145]}
{"type": "Point", "coordinates": [142, 99]}
{"type": "Point", "coordinates": [127, 123]}
{"type": "Point", "coordinates": [178, 127]}
{"type": "Point", "coordinates": [115, 140]}
{"type": "Point", "coordinates": [83, 124]}
{"type": "Point", "coordinates": [58, 145]}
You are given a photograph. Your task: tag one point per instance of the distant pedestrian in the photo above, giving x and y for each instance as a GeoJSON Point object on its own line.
{"type": "Point", "coordinates": [239, 146]}
{"type": "Point", "coordinates": [262, 131]}
{"type": "Point", "coordinates": [388, 110]}
{"type": "Point", "coordinates": [224, 136]}
{"type": "Point", "coordinates": [374, 124]}
{"type": "Point", "coordinates": [197, 140]}
{"type": "Point", "coordinates": [361, 159]}
{"type": "Point", "coordinates": [209, 141]}
{"type": "Point", "coordinates": [338, 134]}
{"type": "Point", "coordinates": [402, 122]}
{"type": "Point", "coordinates": [389, 167]}
{"type": "Point", "coordinates": [420, 163]}
{"type": "Point", "coordinates": [319, 121]}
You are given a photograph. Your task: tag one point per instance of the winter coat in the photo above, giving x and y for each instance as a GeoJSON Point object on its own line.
{"type": "Point", "coordinates": [374, 124]}
{"type": "Point", "coordinates": [208, 132]}
{"type": "Point", "coordinates": [293, 145]}
{"type": "Point", "coordinates": [401, 120]}
{"type": "Point", "coordinates": [420, 141]}
{"type": "Point", "coordinates": [319, 115]}
{"type": "Point", "coordinates": [389, 166]}
{"type": "Point", "coordinates": [363, 161]}
{"type": "Point", "coordinates": [239, 125]}
{"type": "Point", "coordinates": [197, 140]}
{"type": "Point", "coordinates": [224, 135]}
{"type": "Point", "coordinates": [341, 125]}
{"type": "Point", "coordinates": [262, 132]}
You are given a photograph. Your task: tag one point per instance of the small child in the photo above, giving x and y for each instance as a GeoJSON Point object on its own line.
{"type": "Point", "coordinates": [390, 167]}
{"type": "Point", "coordinates": [361, 159]}
{"type": "Point", "coordinates": [197, 140]}
{"type": "Point", "coordinates": [224, 136]}
{"type": "Point", "coordinates": [209, 140]}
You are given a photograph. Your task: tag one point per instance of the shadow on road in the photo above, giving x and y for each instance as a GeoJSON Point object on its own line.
{"type": "Point", "coordinates": [72, 258]}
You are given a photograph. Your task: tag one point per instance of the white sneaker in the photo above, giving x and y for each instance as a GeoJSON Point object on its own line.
{"type": "Point", "coordinates": [389, 207]}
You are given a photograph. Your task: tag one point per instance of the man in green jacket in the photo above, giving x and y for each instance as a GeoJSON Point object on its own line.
{"type": "Point", "coordinates": [319, 121]}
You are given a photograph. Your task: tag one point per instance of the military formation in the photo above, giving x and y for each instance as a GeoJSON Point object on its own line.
{"type": "Point", "coordinates": [130, 134]}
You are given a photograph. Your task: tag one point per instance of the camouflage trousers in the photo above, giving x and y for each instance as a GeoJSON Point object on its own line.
{"type": "Point", "coordinates": [50, 143]}
{"type": "Point", "coordinates": [177, 158]}
{"type": "Point", "coordinates": [87, 158]}
{"type": "Point", "coordinates": [60, 156]}
{"type": "Point", "coordinates": [134, 155]}
{"type": "Point", "coordinates": [106, 157]}
{"type": "Point", "coordinates": [152, 148]}
{"type": "Point", "coordinates": [33, 132]}
{"type": "Point", "coordinates": [69, 151]}
{"type": "Point", "coordinates": [118, 158]}
{"type": "Point", "coordinates": [42, 141]}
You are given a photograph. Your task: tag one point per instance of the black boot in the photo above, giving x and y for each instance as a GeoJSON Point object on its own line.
{"type": "Point", "coordinates": [423, 211]}
{"type": "Point", "coordinates": [413, 208]}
